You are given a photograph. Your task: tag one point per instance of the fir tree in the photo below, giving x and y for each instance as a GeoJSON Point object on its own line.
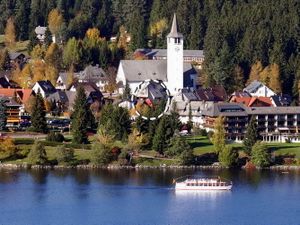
{"type": "Point", "coordinates": [80, 117]}
{"type": "Point", "coordinates": [3, 117]}
{"type": "Point", "coordinates": [37, 154]}
{"type": "Point", "coordinates": [38, 115]}
{"type": "Point", "coordinates": [251, 136]}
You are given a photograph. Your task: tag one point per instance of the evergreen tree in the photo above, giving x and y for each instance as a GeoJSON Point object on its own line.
{"type": "Point", "coordinates": [22, 11]}
{"type": "Point", "coordinates": [80, 117]}
{"type": "Point", "coordinates": [228, 156]}
{"type": "Point", "coordinates": [3, 117]}
{"type": "Point", "coordinates": [260, 155]}
{"type": "Point", "coordinates": [38, 115]}
{"type": "Point", "coordinates": [251, 136]}
{"type": "Point", "coordinates": [64, 155]}
{"type": "Point", "coordinates": [37, 154]}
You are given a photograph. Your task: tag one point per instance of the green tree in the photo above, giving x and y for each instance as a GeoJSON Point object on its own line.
{"type": "Point", "coordinates": [127, 92]}
{"type": "Point", "coordinates": [101, 154]}
{"type": "Point", "coordinates": [251, 136]}
{"type": "Point", "coordinates": [71, 53]}
{"type": "Point", "coordinates": [38, 115]}
{"type": "Point", "coordinates": [178, 145]}
{"type": "Point", "coordinates": [219, 137]}
{"type": "Point", "coordinates": [186, 157]}
{"type": "Point", "coordinates": [3, 117]}
{"type": "Point", "coordinates": [228, 156]}
{"type": "Point", "coordinates": [260, 155]}
{"type": "Point", "coordinates": [80, 117]}
{"type": "Point", "coordinates": [37, 154]}
{"type": "Point", "coordinates": [64, 155]}
{"type": "Point", "coordinates": [22, 11]}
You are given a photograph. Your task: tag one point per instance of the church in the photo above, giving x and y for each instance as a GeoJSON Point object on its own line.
{"type": "Point", "coordinates": [173, 71]}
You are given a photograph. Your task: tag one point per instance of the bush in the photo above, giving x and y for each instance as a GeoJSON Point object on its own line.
{"type": "Point", "coordinates": [228, 157]}
{"type": "Point", "coordinates": [101, 154]}
{"type": "Point", "coordinates": [260, 155]}
{"type": "Point", "coordinates": [8, 148]}
{"type": "Point", "coordinates": [203, 132]}
{"type": "Point", "coordinates": [64, 155]}
{"type": "Point", "coordinates": [186, 157]}
{"type": "Point", "coordinates": [37, 154]}
{"type": "Point", "coordinates": [55, 137]}
{"type": "Point", "coordinates": [178, 145]}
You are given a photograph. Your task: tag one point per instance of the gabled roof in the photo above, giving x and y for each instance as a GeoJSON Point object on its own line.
{"type": "Point", "coordinates": [250, 101]}
{"type": "Point", "coordinates": [140, 70]}
{"type": "Point", "coordinates": [92, 74]}
{"type": "Point", "coordinates": [253, 86]}
{"type": "Point", "coordinates": [14, 55]}
{"type": "Point", "coordinates": [46, 86]}
{"type": "Point", "coordinates": [23, 94]}
{"type": "Point", "coordinates": [59, 96]}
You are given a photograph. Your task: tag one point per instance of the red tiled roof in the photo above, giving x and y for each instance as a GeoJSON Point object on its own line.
{"type": "Point", "coordinates": [250, 101]}
{"type": "Point", "coordinates": [23, 94]}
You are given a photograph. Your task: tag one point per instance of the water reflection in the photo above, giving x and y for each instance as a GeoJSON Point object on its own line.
{"type": "Point", "coordinates": [201, 194]}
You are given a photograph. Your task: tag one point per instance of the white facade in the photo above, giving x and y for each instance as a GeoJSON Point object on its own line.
{"type": "Point", "coordinates": [175, 59]}
{"type": "Point", "coordinates": [263, 91]}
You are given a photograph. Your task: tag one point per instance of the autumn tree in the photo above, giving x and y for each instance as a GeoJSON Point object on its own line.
{"type": "Point", "coordinates": [219, 137]}
{"type": "Point", "coordinates": [10, 33]}
{"type": "Point", "coordinates": [255, 72]}
{"type": "Point", "coordinates": [8, 149]}
{"type": "Point", "coordinates": [55, 20]}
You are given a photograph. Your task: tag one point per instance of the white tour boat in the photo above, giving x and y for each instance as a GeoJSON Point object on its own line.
{"type": "Point", "coordinates": [193, 183]}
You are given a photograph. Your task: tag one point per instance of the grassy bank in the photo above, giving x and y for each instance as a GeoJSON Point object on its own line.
{"type": "Point", "coordinates": [200, 144]}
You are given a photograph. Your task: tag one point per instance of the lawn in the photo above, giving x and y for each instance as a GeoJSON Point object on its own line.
{"type": "Point", "coordinates": [202, 145]}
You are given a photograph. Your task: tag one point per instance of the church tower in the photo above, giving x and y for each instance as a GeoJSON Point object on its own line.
{"type": "Point", "coordinates": [175, 58]}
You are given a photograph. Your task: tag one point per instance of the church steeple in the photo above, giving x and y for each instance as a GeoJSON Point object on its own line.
{"type": "Point", "coordinates": [175, 58]}
{"type": "Point", "coordinates": [174, 29]}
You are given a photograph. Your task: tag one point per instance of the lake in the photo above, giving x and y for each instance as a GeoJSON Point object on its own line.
{"type": "Point", "coordinates": [92, 197]}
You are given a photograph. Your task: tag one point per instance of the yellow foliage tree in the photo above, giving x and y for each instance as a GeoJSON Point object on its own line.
{"type": "Point", "coordinates": [30, 104]}
{"type": "Point", "coordinates": [26, 77]}
{"type": "Point", "coordinates": [47, 105]}
{"type": "Point", "coordinates": [122, 41]}
{"type": "Point", "coordinates": [53, 56]}
{"type": "Point", "coordinates": [10, 33]}
{"type": "Point", "coordinates": [274, 80]}
{"type": "Point", "coordinates": [137, 140]}
{"type": "Point", "coordinates": [38, 52]}
{"type": "Point", "coordinates": [16, 75]}
{"type": "Point", "coordinates": [256, 69]}
{"type": "Point", "coordinates": [51, 74]}
{"type": "Point", "coordinates": [7, 148]}
{"type": "Point", "coordinates": [55, 20]}
{"type": "Point", "coordinates": [38, 70]}
{"type": "Point", "coordinates": [157, 28]}
{"type": "Point", "coordinates": [70, 76]}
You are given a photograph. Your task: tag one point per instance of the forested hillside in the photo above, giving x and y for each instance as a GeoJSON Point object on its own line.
{"type": "Point", "coordinates": [241, 38]}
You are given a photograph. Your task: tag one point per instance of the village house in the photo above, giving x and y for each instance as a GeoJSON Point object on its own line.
{"type": "Point", "coordinates": [44, 87]}
{"type": "Point", "coordinates": [258, 89]}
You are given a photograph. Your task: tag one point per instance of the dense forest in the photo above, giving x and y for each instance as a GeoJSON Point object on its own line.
{"type": "Point", "coordinates": [242, 39]}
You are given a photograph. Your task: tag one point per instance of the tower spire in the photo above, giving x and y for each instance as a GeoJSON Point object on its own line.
{"type": "Point", "coordinates": [174, 29]}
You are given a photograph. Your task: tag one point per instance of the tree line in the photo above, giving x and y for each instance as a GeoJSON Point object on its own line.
{"type": "Point", "coordinates": [235, 35]}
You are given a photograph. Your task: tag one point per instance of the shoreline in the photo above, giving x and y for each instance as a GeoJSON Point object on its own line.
{"type": "Point", "coordinates": [137, 167]}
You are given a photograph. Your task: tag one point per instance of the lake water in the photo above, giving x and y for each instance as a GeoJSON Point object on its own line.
{"type": "Point", "coordinates": [79, 197]}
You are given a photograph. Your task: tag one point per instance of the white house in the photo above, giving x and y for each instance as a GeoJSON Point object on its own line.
{"type": "Point", "coordinates": [172, 71]}
{"type": "Point", "coordinates": [258, 89]}
{"type": "Point", "coordinates": [44, 87]}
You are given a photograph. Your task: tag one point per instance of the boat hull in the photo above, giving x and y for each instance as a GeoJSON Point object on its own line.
{"type": "Point", "coordinates": [203, 188]}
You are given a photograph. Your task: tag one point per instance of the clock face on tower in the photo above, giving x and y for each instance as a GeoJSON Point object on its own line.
{"type": "Point", "coordinates": [176, 49]}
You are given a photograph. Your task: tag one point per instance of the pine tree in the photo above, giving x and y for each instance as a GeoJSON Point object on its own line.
{"type": "Point", "coordinates": [251, 136]}
{"type": "Point", "coordinates": [3, 117]}
{"type": "Point", "coordinates": [37, 154]}
{"type": "Point", "coordinates": [80, 117]}
{"type": "Point", "coordinates": [22, 11]}
{"type": "Point", "coordinates": [38, 115]}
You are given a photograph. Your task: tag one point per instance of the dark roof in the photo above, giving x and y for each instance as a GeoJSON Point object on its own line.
{"type": "Point", "coordinates": [47, 86]}
{"type": "Point", "coordinates": [4, 83]}
{"type": "Point", "coordinates": [216, 94]}
{"type": "Point", "coordinates": [92, 74]}
{"type": "Point", "coordinates": [59, 96]}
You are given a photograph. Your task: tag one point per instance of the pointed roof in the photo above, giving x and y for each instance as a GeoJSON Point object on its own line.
{"type": "Point", "coordinates": [174, 31]}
